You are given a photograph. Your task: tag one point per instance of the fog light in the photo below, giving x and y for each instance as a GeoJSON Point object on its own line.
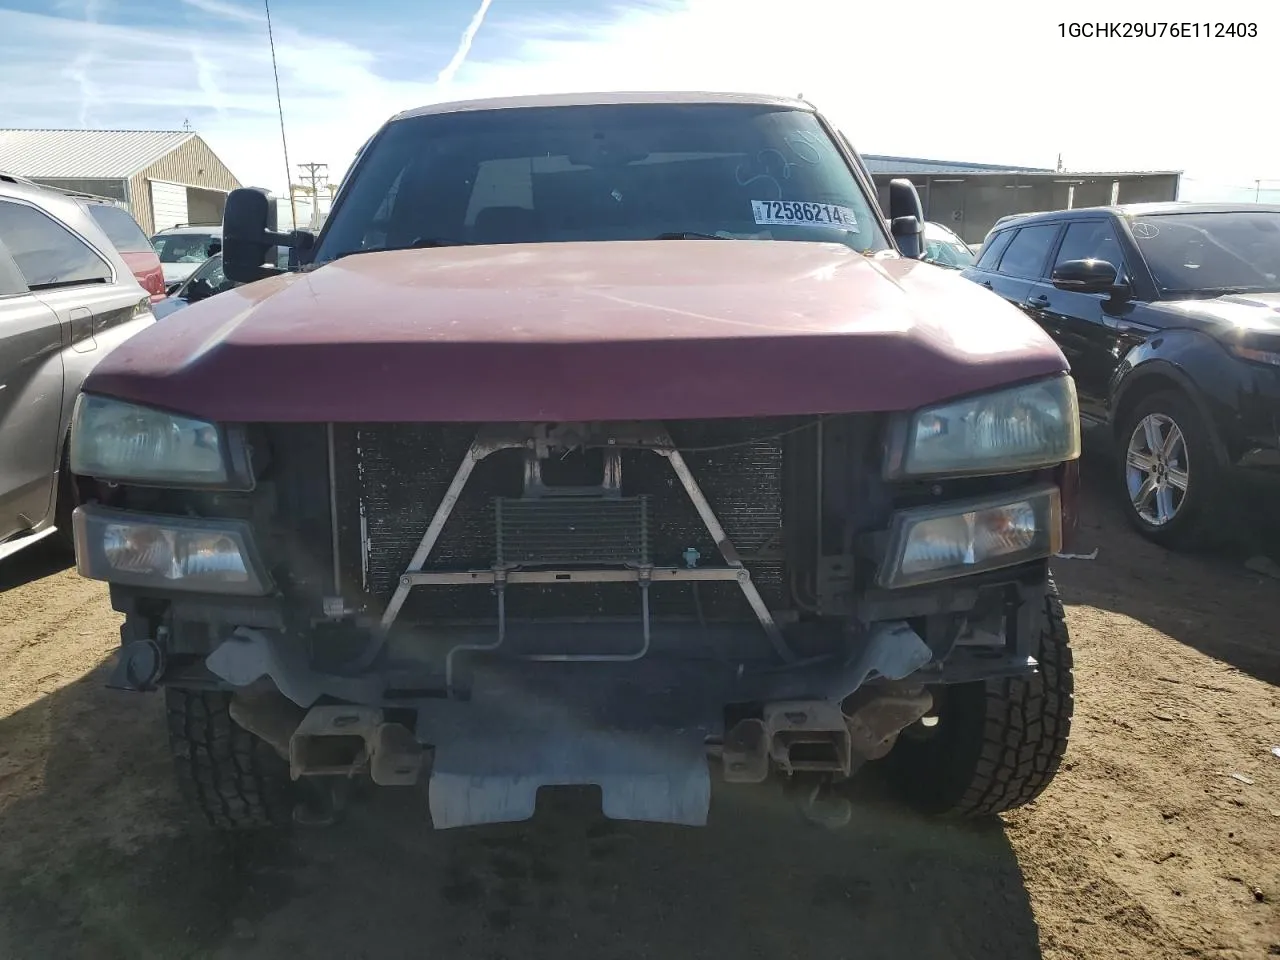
{"type": "Point", "coordinates": [180, 553]}
{"type": "Point", "coordinates": [937, 543]}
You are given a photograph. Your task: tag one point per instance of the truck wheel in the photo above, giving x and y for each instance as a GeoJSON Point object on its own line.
{"type": "Point", "coordinates": [1168, 472]}
{"type": "Point", "coordinates": [235, 779]}
{"type": "Point", "coordinates": [996, 744]}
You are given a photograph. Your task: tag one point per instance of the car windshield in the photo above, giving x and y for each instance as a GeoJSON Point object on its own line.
{"type": "Point", "coordinates": [602, 172]}
{"type": "Point", "coordinates": [944, 247]}
{"type": "Point", "coordinates": [1211, 253]}
{"type": "Point", "coordinates": [182, 247]}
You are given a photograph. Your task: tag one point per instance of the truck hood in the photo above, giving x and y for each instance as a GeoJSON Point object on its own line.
{"type": "Point", "coordinates": [582, 331]}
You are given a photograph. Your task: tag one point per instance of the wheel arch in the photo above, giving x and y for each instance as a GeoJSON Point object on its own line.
{"type": "Point", "coordinates": [1160, 376]}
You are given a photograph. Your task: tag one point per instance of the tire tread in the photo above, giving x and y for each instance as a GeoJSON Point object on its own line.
{"type": "Point", "coordinates": [234, 779]}
{"type": "Point", "coordinates": [1006, 739]}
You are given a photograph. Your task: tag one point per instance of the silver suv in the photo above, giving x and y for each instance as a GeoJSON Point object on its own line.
{"type": "Point", "coordinates": [66, 299]}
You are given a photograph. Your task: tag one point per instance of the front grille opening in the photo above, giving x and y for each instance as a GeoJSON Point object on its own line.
{"type": "Point", "coordinates": [394, 475]}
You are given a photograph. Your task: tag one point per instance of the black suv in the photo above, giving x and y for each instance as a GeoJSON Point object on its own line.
{"type": "Point", "coordinates": [1169, 314]}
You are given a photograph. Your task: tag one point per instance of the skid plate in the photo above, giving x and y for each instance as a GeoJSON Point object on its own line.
{"type": "Point", "coordinates": [642, 742]}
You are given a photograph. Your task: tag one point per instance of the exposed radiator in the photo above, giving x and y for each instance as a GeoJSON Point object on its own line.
{"type": "Point", "coordinates": [394, 475]}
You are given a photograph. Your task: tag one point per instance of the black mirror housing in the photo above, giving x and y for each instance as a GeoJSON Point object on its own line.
{"type": "Point", "coordinates": [1086, 276]}
{"type": "Point", "coordinates": [906, 218]}
{"type": "Point", "coordinates": [249, 236]}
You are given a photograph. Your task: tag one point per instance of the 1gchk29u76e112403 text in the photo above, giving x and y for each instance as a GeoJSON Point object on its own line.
{"type": "Point", "coordinates": [1185, 30]}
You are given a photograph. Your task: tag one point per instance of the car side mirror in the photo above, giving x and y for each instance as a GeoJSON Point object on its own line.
{"type": "Point", "coordinates": [172, 288]}
{"type": "Point", "coordinates": [248, 234]}
{"type": "Point", "coordinates": [1087, 276]}
{"type": "Point", "coordinates": [213, 249]}
{"type": "Point", "coordinates": [906, 218]}
{"type": "Point", "coordinates": [198, 290]}
{"type": "Point", "coordinates": [250, 238]}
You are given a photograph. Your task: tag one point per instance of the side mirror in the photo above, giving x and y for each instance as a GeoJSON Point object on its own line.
{"type": "Point", "coordinates": [1086, 276]}
{"type": "Point", "coordinates": [171, 288]}
{"type": "Point", "coordinates": [213, 249]}
{"type": "Point", "coordinates": [250, 238]}
{"type": "Point", "coordinates": [248, 234]}
{"type": "Point", "coordinates": [198, 290]}
{"type": "Point", "coordinates": [906, 218]}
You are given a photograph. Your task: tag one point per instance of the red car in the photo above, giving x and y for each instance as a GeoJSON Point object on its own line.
{"type": "Point", "coordinates": [132, 245]}
{"type": "Point", "coordinates": [597, 439]}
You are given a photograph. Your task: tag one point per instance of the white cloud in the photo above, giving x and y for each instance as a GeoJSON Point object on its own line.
{"type": "Point", "coordinates": [230, 11]}
{"type": "Point", "coordinates": [988, 80]}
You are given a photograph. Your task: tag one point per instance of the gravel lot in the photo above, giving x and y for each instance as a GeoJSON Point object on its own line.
{"type": "Point", "coordinates": [1161, 837]}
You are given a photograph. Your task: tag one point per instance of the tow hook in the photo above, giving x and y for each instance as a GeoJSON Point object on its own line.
{"type": "Point", "coordinates": [819, 803]}
{"type": "Point", "coordinates": [139, 667]}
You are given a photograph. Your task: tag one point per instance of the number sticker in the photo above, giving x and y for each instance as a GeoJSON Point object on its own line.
{"type": "Point", "coordinates": [791, 213]}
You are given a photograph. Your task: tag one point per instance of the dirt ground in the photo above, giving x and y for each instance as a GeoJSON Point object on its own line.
{"type": "Point", "coordinates": [1160, 838]}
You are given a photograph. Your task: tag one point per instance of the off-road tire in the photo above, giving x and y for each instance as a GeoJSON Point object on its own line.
{"type": "Point", "coordinates": [237, 781]}
{"type": "Point", "coordinates": [997, 743]}
{"type": "Point", "coordinates": [1198, 516]}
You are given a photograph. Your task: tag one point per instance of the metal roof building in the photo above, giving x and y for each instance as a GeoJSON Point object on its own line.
{"type": "Point", "coordinates": [970, 197]}
{"type": "Point", "coordinates": [164, 177]}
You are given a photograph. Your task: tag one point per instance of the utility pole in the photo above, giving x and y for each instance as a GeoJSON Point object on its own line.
{"type": "Point", "coordinates": [315, 177]}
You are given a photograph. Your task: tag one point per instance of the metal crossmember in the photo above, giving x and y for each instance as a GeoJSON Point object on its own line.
{"type": "Point", "coordinates": [640, 436]}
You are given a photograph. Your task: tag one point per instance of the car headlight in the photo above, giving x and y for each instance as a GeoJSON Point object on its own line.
{"type": "Point", "coordinates": [116, 440]}
{"type": "Point", "coordinates": [174, 553]}
{"type": "Point", "coordinates": [955, 539]}
{"type": "Point", "coordinates": [1018, 428]}
{"type": "Point", "coordinates": [1255, 354]}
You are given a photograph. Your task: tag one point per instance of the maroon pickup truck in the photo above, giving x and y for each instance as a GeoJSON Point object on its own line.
{"type": "Point", "coordinates": [614, 440]}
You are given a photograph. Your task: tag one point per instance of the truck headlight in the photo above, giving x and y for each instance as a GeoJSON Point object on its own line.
{"type": "Point", "coordinates": [172, 553]}
{"type": "Point", "coordinates": [116, 440]}
{"type": "Point", "coordinates": [955, 539]}
{"type": "Point", "coordinates": [1018, 428]}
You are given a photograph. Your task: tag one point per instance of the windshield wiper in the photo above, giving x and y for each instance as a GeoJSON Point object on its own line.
{"type": "Point", "coordinates": [689, 235]}
{"type": "Point", "coordinates": [420, 243]}
{"type": "Point", "coordinates": [1208, 292]}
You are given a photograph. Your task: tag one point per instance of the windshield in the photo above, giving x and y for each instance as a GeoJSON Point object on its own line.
{"type": "Point", "coordinates": [182, 247]}
{"type": "Point", "coordinates": [1211, 253]}
{"type": "Point", "coordinates": [601, 172]}
{"type": "Point", "coordinates": [943, 247]}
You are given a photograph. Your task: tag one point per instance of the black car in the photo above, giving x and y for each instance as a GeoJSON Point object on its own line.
{"type": "Point", "coordinates": [208, 280]}
{"type": "Point", "coordinates": [1169, 314]}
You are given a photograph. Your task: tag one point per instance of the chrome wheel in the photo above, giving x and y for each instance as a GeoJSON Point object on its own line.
{"type": "Point", "coordinates": [1156, 469]}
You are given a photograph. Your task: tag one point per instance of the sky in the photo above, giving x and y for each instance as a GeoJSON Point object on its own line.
{"type": "Point", "coordinates": [983, 81]}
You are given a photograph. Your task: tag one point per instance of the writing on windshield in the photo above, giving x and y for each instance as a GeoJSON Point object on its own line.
{"type": "Point", "coordinates": [1211, 252]}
